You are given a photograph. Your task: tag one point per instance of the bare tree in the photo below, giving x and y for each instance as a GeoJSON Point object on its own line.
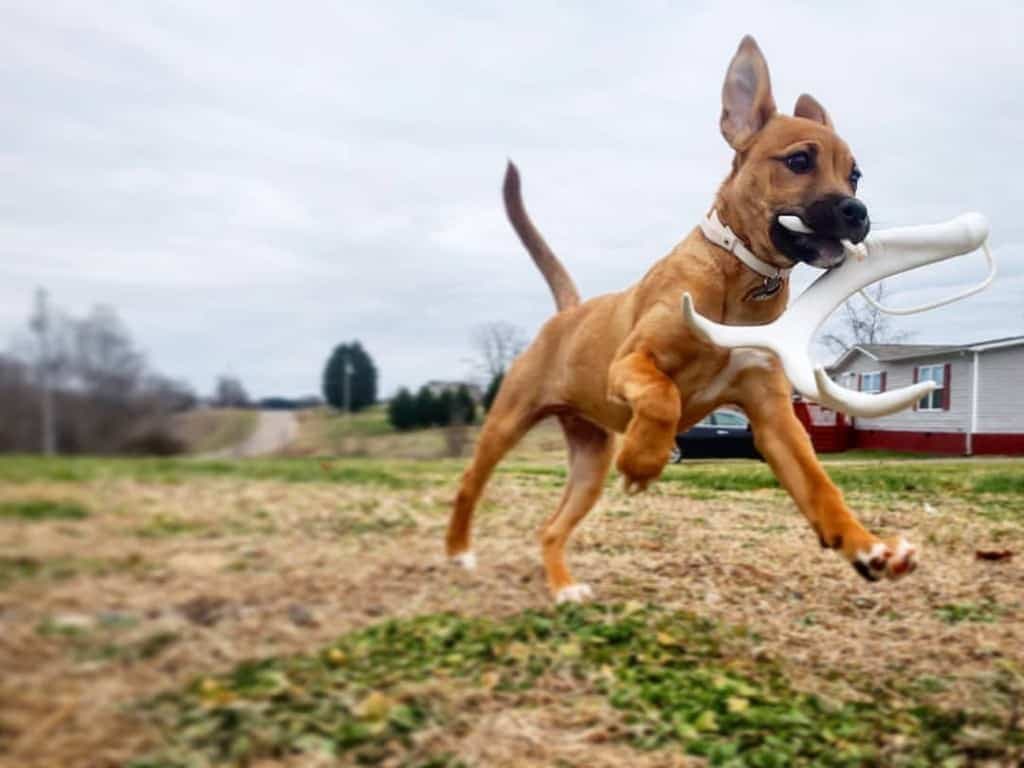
{"type": "Point", "coordinates": [862, 323]}
{"type": "Point", "coordinates": [496, 345]}
{"type": "Point", "coordinates": [230, 393]}
{"type": "Point", "coordinates": [105, 399]}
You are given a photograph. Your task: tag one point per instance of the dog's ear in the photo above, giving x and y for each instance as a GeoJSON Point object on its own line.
{"type": "Point", "coordinates": [808, 106]}
{"type": "Point", "coordinates": [747, 102]}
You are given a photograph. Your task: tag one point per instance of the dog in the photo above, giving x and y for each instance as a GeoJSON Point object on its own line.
{"type": "Point", "coordinates": [625, 362]}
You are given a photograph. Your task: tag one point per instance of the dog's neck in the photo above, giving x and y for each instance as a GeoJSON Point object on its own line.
{"type": "Point", "coordinates": [773, 278]}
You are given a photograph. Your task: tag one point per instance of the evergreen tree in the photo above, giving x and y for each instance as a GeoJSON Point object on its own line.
{"type": "Point", "coordinates": [465, 408]}
{"type": "Point", "coordinates": [443, 407]}
{"type": "Point", "coordinates": [402, 410]}
{"type": "Point", "coordinates": [492, 390]}
{"type": "Point", "coordinates": [425, 407]}
{"type": "Point", "coordinates": [362, 383]}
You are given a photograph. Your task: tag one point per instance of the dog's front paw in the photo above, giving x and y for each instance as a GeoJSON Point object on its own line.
{"type": "Point", "coordinates": [639, 468]}
{"type": "Point", "coordinates": [574, 593]}
{"type": "Point", "coordinates": [892, 558]}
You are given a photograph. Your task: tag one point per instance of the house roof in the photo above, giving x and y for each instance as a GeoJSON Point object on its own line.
{"type": "Point", "coordinates": [889, 352]}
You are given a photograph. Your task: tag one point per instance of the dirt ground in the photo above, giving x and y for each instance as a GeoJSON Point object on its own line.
{"type": "Point", "coordinates": [163, 582]}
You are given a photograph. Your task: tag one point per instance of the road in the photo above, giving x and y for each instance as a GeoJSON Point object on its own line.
{"type": "Point", "coordinates": [274, 431]}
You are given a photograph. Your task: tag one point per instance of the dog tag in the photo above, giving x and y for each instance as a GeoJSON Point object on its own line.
{"type": "Point", "coordinates": [770, 287]}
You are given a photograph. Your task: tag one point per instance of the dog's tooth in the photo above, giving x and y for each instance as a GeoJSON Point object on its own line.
{"type": "Point", "coordinates": [795, 224]}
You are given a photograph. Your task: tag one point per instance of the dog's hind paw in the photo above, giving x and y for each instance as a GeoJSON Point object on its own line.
{"type": "Point", "coordinates": [574, 593]}
{"type": "Point", "coordinates": [465, 560]}
{"type": "Point", "coordinates": [891, 559]}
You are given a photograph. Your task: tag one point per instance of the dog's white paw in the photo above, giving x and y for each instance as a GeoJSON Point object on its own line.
{"type": "Point", "coordinates": [574, 593]}
{"type": "Point", "coordinates": [893, 559]}
{"type": "Point", "coordinates": [465, 560]}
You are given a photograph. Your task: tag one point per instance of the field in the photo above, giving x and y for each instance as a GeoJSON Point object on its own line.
{"type": "Point", "coordinates": [294, 612]}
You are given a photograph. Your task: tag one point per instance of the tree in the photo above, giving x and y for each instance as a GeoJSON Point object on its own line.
{"type": "Point", "coordinates": [426, 407]}
{"type": "Point", "coordinates": [402, 410]}
{"type": "Point", "coordinates": [443, 406]}
{"type": "Point", "coordinates": [464, 407]}
{"type": "Point", "coordinates": [496, 345]}
{"type": "Point", "coordinates": [230, 393]}
{"type": "Point", "coordinates": [356, 389]}
{"type": "Point", "coordinates": [862, 323]}
{"type": "Point", "coordinates": [492, 390]}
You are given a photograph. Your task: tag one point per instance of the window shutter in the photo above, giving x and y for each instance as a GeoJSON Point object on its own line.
{"type": "Point", "coordinates": [946, 399]}
{"type": "Point", "coordinates": [860, 382]}
{"type": "Point", "coordinates": [916, 377]}
{"type": "Point", "coordinates": [884, 374]}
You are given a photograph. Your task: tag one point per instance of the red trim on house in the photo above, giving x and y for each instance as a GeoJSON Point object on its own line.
{"type": "Point", "coordinates": [998, 444]}
{"type": "Point", "coordinates": [912, 442]}
{"type": "Point", "coordinates": [938, 442]}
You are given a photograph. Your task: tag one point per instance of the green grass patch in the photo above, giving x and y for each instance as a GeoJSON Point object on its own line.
{"type": "Point", "coordinates": [674, 679]}
{"type": "Point", "coordinates": [395, 475]}
{"type": "Point", "coordinates": [986, 612]}
{"type": "Point", "coordinates": [18, 567]}
{"type": "Point", "coordinates": [366, 423]}
{"type": "Point", "coordinates": [42, 509]}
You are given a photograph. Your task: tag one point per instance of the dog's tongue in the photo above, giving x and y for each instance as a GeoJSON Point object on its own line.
{"type": "Point", "coordinates": [830, 252]}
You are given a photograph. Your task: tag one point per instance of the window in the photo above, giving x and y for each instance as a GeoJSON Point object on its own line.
{"type": "Point", "coordinates": [729, 419]}
{"type": "Point", "coordinates": [871, 382]}
{"type": "Point", "coordinates": [935, 400]}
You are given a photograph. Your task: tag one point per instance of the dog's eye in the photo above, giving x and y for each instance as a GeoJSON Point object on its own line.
{"type": "Point", "coordinates": [799, 162]}
{"type": "Point", "coordinates": [855, 175]}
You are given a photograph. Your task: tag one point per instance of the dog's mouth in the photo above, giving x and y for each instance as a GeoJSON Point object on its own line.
{"type": "Point", "coordinates": [794, 239]}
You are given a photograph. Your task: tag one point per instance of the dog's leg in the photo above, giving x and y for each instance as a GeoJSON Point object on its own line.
{"type": "Point", "coordinates": [590, 456]}
{"type": "Point", "coordinates": [654, 398]}
{"type": "Point", "coordinates": [506, 423]}
{"type": "Point", "coordinates": [765, 395]}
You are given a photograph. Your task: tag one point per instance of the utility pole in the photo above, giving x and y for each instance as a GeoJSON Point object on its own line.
{"type": "Point", "coordinates": [347, 371]}
{"type": "Point", "coordinates": [40, 324]}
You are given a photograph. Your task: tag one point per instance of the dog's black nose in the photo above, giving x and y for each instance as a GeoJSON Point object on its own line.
{"type": "Point", "coordinates": [853, 218]}
{"type": "Point", "coordinates": [853, 211]}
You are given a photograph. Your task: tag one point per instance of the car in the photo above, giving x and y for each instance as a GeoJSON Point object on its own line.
{"type": "Point", "coordinates": [723, 433]}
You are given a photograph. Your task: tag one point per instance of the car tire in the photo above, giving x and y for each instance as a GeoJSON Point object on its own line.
{"type": "Point", "coordinates": [676, 456]}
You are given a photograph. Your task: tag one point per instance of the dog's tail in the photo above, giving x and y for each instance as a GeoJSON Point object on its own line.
{"type": "Point", "coordinates": [558, 278]}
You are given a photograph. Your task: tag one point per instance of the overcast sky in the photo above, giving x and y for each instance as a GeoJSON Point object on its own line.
{"type": "Point", "coordinates": [250, 183]}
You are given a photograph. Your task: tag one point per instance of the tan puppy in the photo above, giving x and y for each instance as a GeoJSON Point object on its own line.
{"type": "Point", "coordinates": [624, 362]}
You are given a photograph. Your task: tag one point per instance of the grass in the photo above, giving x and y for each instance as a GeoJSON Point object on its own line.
{"type": "Point", "coordinates": [331, 639]}
{"type": "Point", "coordinates": [27, 469]}
{"type": "Point", "coordinates": [206, 430]}
{"type": "Point", "coordinates": [666, 678]}
{"type": "Point", "coordinates": [42, 509]}
{"type": "Point", "coordinates": [17, 567]}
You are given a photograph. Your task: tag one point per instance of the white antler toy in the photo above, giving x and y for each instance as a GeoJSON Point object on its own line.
{"type": "Point", "coordinates": [882, 254]}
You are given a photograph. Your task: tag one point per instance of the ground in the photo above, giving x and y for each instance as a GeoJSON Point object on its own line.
{"type": "Point", "coordinates": [285, 612]}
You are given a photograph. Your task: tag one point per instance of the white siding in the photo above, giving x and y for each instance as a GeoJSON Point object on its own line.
{"type": "Point", "coordinates": [900, 373]}
{"type": "Point", "coordinates": [1000, 382]}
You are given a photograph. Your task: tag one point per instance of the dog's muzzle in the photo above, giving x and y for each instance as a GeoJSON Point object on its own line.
{"type": "Point", "coordinates": [819, 234]}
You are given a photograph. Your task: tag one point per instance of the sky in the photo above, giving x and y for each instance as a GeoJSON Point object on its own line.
{"type": "Point", "coordinates": [249, 184]}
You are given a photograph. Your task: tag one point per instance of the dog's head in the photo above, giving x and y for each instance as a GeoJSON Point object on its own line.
{"type": "Point", "coordinates": [785, 167]}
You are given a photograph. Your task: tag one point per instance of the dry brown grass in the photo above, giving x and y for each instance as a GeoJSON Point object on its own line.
{"type": "Point", "coordinates": [227, 569]}
{"type": "Point", "coordinates": [205, 430]}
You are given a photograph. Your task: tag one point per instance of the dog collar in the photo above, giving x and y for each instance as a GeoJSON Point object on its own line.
{"type": "Point", "coordinates": [721, 235]}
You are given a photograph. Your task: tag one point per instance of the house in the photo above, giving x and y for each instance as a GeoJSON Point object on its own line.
{"type": "Point", "coordinates": [975, 409]}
